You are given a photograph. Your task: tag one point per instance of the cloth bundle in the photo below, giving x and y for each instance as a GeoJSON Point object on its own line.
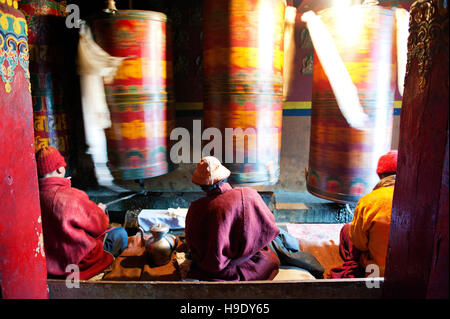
{"type": "Point", "coordinates": [175, 218]}
{"type": "Point", "coordinates": [286, 247]}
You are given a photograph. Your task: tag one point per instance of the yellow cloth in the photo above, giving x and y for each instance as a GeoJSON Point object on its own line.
{"type": "Point", "coordinates": [369, 230]}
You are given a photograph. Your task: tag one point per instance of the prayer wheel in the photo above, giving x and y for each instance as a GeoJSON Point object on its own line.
{"type": "Point", "coordinates": [46, 21]}
{"type": "Point", "coordinates": [137, 98]}
{"type": "Point", "coordinates": [343, 159]}
{"type": "Point", "coordinates": [243, 83]}
{"type": "Point", "coordinates": [23, 270]}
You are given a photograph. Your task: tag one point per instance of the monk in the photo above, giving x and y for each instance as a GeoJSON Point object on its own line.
{"type": "Point", "coordinates": [364, 241]}
{"type": "Point", "coordinates": [232, 235]}
{"type": "Point", "coordinates": [75, 229]}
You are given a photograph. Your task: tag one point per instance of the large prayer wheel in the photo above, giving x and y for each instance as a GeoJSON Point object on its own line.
{"type": "Point", "coordinates": [137, 97]}
{"type": "Point", "coordinates": [343, 159]}
{"type": "Point", "coordinates": [46, 20]}
{"type": "Point", "coordinates": [243, 67]}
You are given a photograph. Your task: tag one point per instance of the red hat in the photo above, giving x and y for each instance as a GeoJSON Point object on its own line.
{"type": "Point", "coordinates": [48, 160]}
{"type": "Point", "coordinates": [209, 171]}
{"type": "Point", "coordinates": [388, 163]}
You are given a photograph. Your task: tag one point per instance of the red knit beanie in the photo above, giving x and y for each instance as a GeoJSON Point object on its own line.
{"type": "Point", "coordinates": [387, 163]}
{"type": "Point", "coordinates": [48, 160]}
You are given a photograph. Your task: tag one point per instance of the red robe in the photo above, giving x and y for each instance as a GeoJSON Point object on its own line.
{"type": "Point", "coordinates": [73, 227]}
{"type": "Point", "coordinates": [228, 233]}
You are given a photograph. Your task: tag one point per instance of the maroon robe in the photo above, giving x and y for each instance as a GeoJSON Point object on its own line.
{"type": "Point", "coordinates": [228, 233]}
{"type": "Point", "coordinates": [73, 227]}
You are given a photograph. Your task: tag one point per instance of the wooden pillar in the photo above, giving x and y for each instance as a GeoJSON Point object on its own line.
{"type": "Point", "coordinates": [23, 272]}
{"type": "Point", "coordinates": [417, 259]}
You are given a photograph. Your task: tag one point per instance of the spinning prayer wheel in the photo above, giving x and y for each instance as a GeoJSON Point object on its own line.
{"type": "Point", "coordinates": [46, 29]}
{"type": "Point", "coordinates": [343, 159]}
{"type": "Point", "coordinates": [137, 98]}
{"type": "Point", "coordinates": [243, 67]}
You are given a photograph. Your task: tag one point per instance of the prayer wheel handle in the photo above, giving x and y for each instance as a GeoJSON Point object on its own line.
{"type": "Point", "coordinates": [142, 236]}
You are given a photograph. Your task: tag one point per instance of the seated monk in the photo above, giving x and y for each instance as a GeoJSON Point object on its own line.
{"type": "Point", "coordinates": [364, 241]}
{"type": "Point", "coordinates": [75, 229]}
{"type": "Point", "coordinates": [231, 232]}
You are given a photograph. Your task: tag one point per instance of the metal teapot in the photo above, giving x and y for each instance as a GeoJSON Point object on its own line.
{"type": "Point", "coordinates": [160, 245]}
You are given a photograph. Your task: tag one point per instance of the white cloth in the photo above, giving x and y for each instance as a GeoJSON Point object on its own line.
{"type": "Point", "coordinates": [175, 218]}
{"type": "Point", "coordinates": [94, 66]}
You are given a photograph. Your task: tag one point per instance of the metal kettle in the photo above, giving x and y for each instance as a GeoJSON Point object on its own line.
{"type": "Point", "coordinates": [160, 245]}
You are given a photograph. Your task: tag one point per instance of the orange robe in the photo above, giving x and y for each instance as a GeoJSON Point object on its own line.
{"type": "Point", "coordinates": [369, 230]}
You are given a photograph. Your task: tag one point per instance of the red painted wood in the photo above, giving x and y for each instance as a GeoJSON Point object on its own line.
{"type": "Point", "coordinates": [23, 270]}
{"type": "Point", "coordinates": [438, 282]}
{"type": "Point", "coordinates": [418, 216]}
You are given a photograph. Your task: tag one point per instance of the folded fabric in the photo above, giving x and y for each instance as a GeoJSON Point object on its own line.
{"type": "Point", "coordinates": [287, 241]}
{"type": "Point", "coordinates": [349, 269]}
{"type": "Point", "coordinates": [286, 247]}
{"type": "Point", "coordinates": [175, 218]}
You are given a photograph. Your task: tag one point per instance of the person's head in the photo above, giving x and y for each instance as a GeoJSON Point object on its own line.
{"type": "Point", "coordinates": [387, 164]}
{"type": "Point", "coordinates": [210, 173]}
{"type": "Point", "coordinates": [50, 162]}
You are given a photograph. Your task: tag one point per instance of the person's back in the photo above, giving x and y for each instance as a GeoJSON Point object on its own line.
{"type": "Point", "coordinates": [369, 230]}
{"type": "Point", "coordinates": [364, 241]}
{"type": "Point", "coordinates": [228, 231]}
{"type": "Point", "coordinates": [73, 228]}
{"type": "Point", "coordinates": [228, 234]}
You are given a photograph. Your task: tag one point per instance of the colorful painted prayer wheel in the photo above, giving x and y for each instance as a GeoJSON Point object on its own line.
{"type": "Point", "coordinates": [46, 21]}
{"type": "Point", "coordinates": [342, 159]}
{"type": "Point", "coordinates": [137, 98]}
{"type": "Point", "coordinates": [243, 67]}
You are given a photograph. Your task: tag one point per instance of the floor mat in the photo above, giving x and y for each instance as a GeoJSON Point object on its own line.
{"type": "Point", "coordinates": [321, 240]}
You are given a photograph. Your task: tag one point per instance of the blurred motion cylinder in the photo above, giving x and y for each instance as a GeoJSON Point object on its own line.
{"type": "Point", "coordinates": [342, 159]}
{"type": "Point", "coordinates": [243, 83]}
{"type": "Point", "coordinates": [137, 98]}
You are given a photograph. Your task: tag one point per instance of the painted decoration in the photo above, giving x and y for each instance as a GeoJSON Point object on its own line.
{"type": "Point", "coordinates": [46, 29]}
{"type": "Point", "coordinates": [343, 160]}
{"type": "Point", "coordinates": [138, 96]}
{"type": "Point", "coordinates": [243, 67]}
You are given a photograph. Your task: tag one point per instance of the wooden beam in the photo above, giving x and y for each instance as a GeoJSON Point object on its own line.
{"type": "Point", "coordinates": [304, 289]}
{"type": "Point", "coordinates": [414, 240]}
